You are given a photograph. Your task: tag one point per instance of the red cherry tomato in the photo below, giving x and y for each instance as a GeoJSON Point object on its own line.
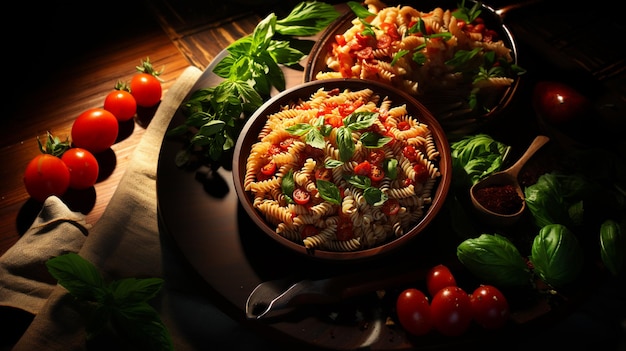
{"type": "Point", "coordinates": [46, 175]}
{"type": "Point", "coordinates": [489, 307]}
{"type": "Point", "coordinates": [269, 168]}
{"type": "Point", "coordinates": [364, 168]}
{"type": "Point", "coordinates": [391, 207]}
{"type": "Point", "coordinates": [146, 88]}
{"type": "Point", "coordinates": [451, 311]}
{"type": "Point", "coordinates": [323, 173]}
{"type": "Point", "coordinates": [95, 130]}
{"type": "Point", "coordinates": [439, 277]}
{"type": "Point", "coordinates": [286, 143]}
{"type": "Point", "coordinates": [83, 168]}
{"type": "Point", "coordinates": [301, 196]}
{"type": "Point", "coordinates": [421, 173]}
{"type": "Point", "coordinates": [558, 103]}
{"type": "Point", "coordinates": [376, 173]}
{"type": "Point", "coordinates": [121, 104]}
{"type": "Point", "coordinates": [309, 230]}
{"type": "Point", "coordinates": [376, 156]}
{"type": "Point", "coordinates": [414, 312]}
{"type": "Point", "coordinates": [409, 152]}
{"type": "Point", "coordinates": [344, 229]}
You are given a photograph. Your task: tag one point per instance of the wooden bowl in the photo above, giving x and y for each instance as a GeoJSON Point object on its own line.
{"type": "Point", "coordinates": [250, 135]}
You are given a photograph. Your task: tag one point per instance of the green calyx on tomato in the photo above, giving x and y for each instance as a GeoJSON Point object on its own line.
{"type": "Point", "coordinates": [145, 86]}
{"type": "Point", "coordinates": [53, 146]}
{"type": "Point", "coordinates": [121, 103]}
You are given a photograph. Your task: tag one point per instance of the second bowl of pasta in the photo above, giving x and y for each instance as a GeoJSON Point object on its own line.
{"type": "Point", "coordinates": [458, 60]}
{"type": "Point", "coordinates": [342, 169]}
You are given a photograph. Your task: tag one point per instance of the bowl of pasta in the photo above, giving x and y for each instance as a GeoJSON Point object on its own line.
{"type": "Point", "coordinates": [342, 169]}
{"type": "Point", "coordinates": [460, 61]}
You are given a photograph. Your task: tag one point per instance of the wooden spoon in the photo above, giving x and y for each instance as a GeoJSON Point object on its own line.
{"type": "Point", "coordinates": [502, 178]}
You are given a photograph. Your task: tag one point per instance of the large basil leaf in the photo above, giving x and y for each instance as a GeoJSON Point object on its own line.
{"type": "Point", "coordinates": [612, 246]}
{"type": "Point", "coordinates": [495, 260]}
{"type": "Point", "coordinates": [556, 255]}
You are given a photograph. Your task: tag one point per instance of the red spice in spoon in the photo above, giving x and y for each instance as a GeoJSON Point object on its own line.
{"type": "Point", "coordinates": [501, 199]}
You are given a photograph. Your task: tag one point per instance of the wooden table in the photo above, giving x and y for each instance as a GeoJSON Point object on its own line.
{"type": "Point", "coordinates": [76, 75]}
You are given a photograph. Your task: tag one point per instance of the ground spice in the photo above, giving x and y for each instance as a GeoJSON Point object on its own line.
{"type": "Point", "coordinates": [501, 199]}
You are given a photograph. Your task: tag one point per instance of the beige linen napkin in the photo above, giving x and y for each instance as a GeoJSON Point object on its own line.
{"type": "Point", "coordinates": [24, 279]}
{"type": "Point", "coordinates": [125, 241]}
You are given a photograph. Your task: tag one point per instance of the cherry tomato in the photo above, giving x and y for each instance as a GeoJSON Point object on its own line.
{"type": "Point", "coordinates": [409, 152]}
{"type": "Point", "coordinates": [364, 168]}
{"type": "Point", "coordinates": [489, 307]}
{"type": "Point", "coordinates": [559, 104]}
{"type": "Point", "coordinates": [146, 88]}
{"type": "Point", "coordinates": [451, 311]}
{"type": "Point", "coordinates": [376, 173]}
{"type": "Point", "coordinates": [269, 168]}
{"type": "Point", "coordinates": [334, 121]}
{"type": "Point", "coordinates": [439, 277]}
{"type": "Point", "coordinates": [309, 230]}
{"type": "Point", "coordinates": [376, 156]}
{"type": "Point", "coordinates": [323, 173]}
{"type": "Point", "coordinates": [413, 312]}
{"type": "Point", "coordinates": [121, 104]}
{"type": "Point", "coordinates": [95, 130]}
{"type": "Point", "coordinates": [286, 143]}
{"type": "Point", "coordinates": [421, 173]}
{"type": "Point", "coordinates": [344, 229]}
{"type": "Point", "coordinates": [83, 168]}
{"type": "Point", "coordinates": [46, 175]}
{"type": "Point", "coordinates": [391, 207]}
{"type": "Point", "coordinates": [383, 41]}
{"type": "Point", "coordinates": [301, 196]}
{"type": "Point", "coordinates": [404, 125]}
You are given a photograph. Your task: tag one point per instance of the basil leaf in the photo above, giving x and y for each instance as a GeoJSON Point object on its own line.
{"type": "Point", "coordinates": [299, 129]}
{"type": "Point", "coordinates": [133, 290]}
{"type": "Point", "coordinates": [374, 196]}
{"type": "Point", "coordinates": [315, 138]}
{"type": "Point", "coordinates": [360, 120]}
{"type": "Point", "coordinates": [288, 185]}
{"type": "Point", "coordinates": [79, 276]}
{"type": "Point", "coordinates": [398, 55]}
{"type": "Point", "coordinates": [284, 54]}
{"type": "Point", "coordinates": [345, 143]}
{"type": "Point", "coordinates": [391, 168]}
{"type": "Point", "coordinates": [329, 191]}
{"type": "Point", "coordinates": [612, 246]}
{"type": "Point", "coordinates": [359, 10]}
{"type": "Point", "coordinates": [359, 181]}
{"type": "Point", "coordinates": [211, 128]}
{"type": "Point", "coordinates": [333, 164]}
{"type": "Point", "coordinates": [307, 18]}
{"type": "Point", "coordinates": [142, 324]}
{"type": "Point", "coordinates": [556, 255]}
{"type": "Point", "coordinates": [495, 260]}
{"type": "Point", "coordinates": [374, 140]}
{"type": "Point", "coordinates": [263, 34]}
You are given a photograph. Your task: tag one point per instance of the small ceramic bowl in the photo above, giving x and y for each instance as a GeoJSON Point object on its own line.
{"type": "Point", "coordinates": [278, 215]}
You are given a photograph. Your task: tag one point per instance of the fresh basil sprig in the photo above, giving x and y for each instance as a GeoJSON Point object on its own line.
{"type": "Point", "coordinates": [215, 115]}
{"type": "Point", "coordinates": [121, 304]}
